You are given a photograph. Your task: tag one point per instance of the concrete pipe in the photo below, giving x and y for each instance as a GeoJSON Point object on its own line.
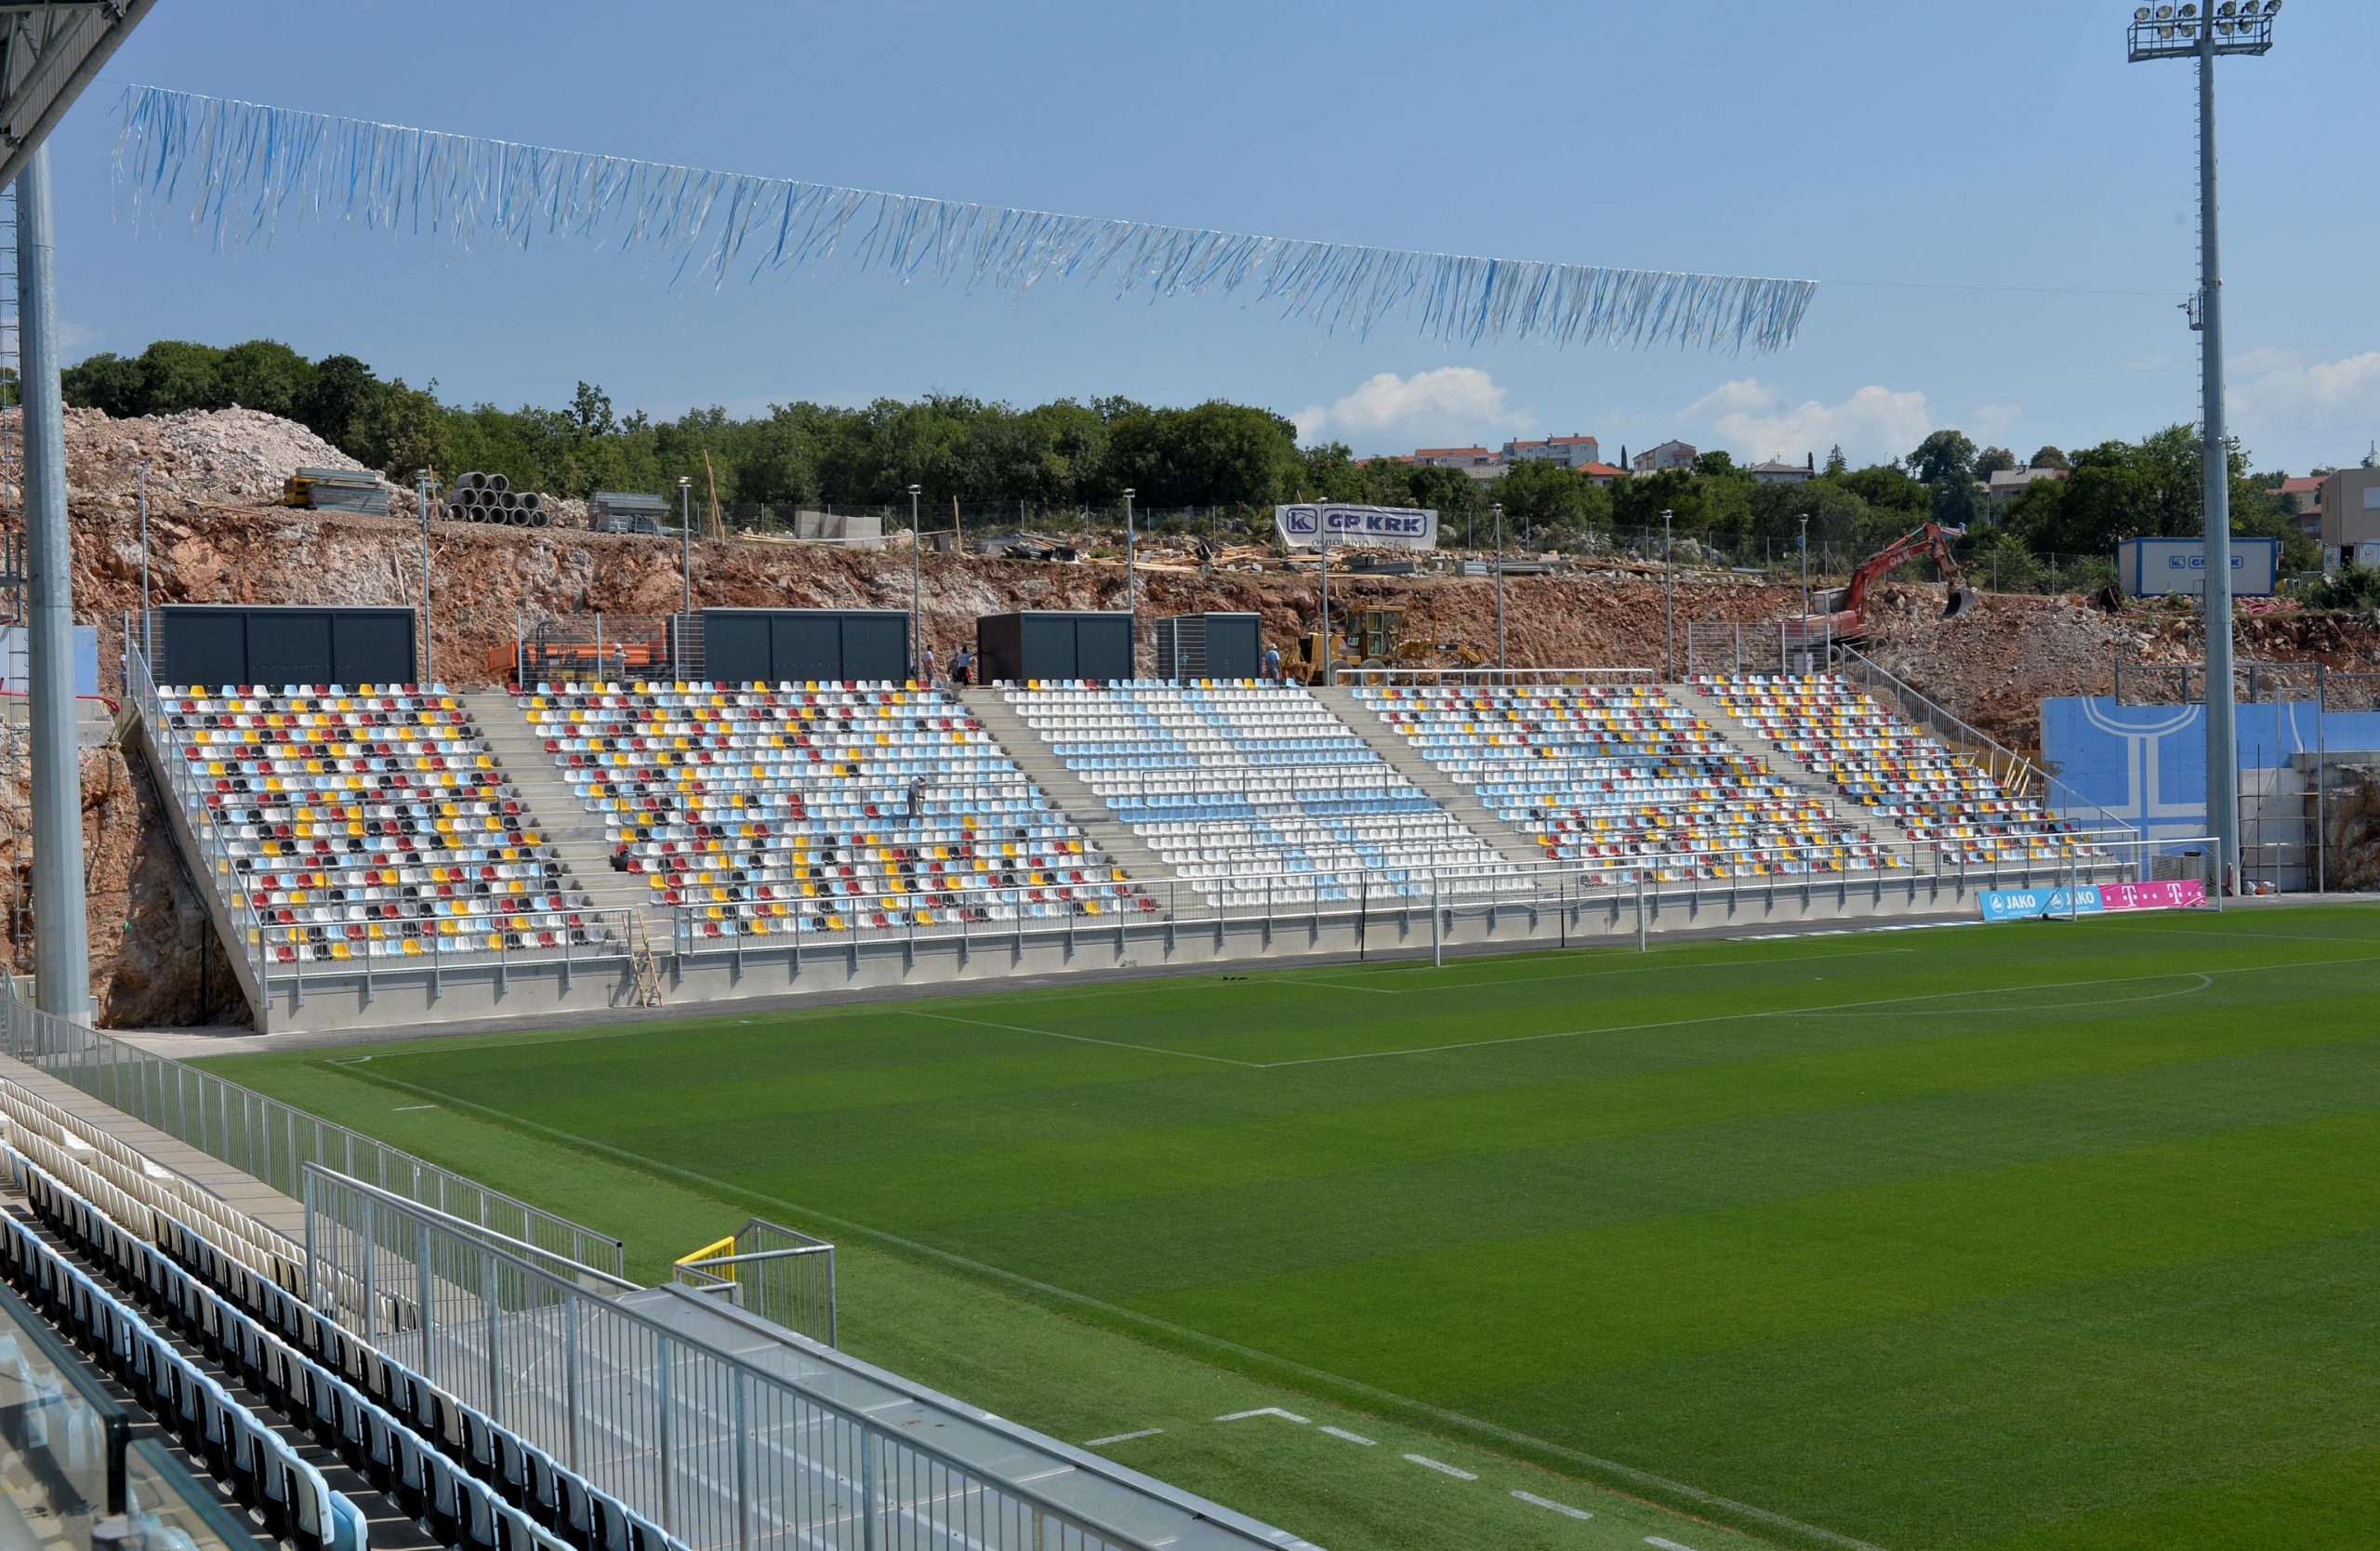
{"type": "Point", "coordinates": [539, 516]}
{"type": "Point", "coordinates": [517, 516]}
{"type": "Point", "coordinates": [531, 500]}
{"type": "Point", "coordinates": [475, 480]}
{"type": "Point", "coordinates": [499, 483]}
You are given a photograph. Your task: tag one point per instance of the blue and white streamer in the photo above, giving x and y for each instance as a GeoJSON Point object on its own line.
{"type": "Point", "coordinates": [245, 168]}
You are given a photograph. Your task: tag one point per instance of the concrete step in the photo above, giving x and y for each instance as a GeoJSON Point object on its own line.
{"type": "Point", "coordinates": [1442, 789]}
{"type": "Point", "coordinates": [1085, 808]}
{"type": "Point", "coordinates": [1782, 765]}
{"type": "Point", "coordinates": [576, 834]}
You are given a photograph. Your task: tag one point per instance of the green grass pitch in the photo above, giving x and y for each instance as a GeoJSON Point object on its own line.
{"type": "Point", "coordinates": [2056, 1235]}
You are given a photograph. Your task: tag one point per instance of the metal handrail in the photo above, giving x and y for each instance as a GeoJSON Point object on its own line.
{"type": "Point", "coordinates": [269, 1139]}
{"type": "Point", "coordinates": [1506, 885]}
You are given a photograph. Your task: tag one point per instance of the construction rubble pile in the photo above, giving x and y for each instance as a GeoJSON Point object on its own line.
{"type": "Point", "coordinates": [217, 536]}
{"type": "Point", "coordinates": [237, 458]}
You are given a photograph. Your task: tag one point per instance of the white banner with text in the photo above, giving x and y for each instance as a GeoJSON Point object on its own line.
{"type": "Point", "coordinates": [1357, 527]}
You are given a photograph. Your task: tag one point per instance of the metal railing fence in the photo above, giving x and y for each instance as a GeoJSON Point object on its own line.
{"type": "Point", "coordinates": [1285, 900]}
{"type": "Point", "coordinates": [718, 1448]}
{"type": "Point", "coordinates": [2014, 771]}
{"type": "Point", "coordinates": [272, 1140]}
{"type": "Point", "coordinates": [784, 1276]}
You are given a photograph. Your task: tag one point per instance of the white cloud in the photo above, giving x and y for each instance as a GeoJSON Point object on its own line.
{"type": "Point", "coordinates": [1448, 406]}
{"type": "Point", "coordinates": [2155, 360]}
{"type": "Point", "coordinates": [1755, 421]}
{"type": "Point", "coordinates": [2340, 396]}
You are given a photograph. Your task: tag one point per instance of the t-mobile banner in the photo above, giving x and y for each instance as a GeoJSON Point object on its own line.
{"type": "Point", "coordinates": [2165, 893]}
{"type": "Point", "coordinates": [1357, 527]}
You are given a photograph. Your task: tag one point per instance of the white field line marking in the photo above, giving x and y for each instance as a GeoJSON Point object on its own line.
{"type": "Point", "coordinates": [1662, 967]}
{"type": "Point", "coordinates": [1352, 1438]}
{"type": "Point", "coordinates": [1086, 1039]}
{"type": "Point", "coordinates": [1122, 1437]}
{"type": "Point", "coordinates": [1133, 1317]}
{"type": "Point", "coordinates": [403, 1108]}
{"type": "Point", "coordinates": [1347, 985]}
{"type": "Point", "coordinates": [1797, 1012]}
{"type": "Point", "coordinates": [1265, 1411]}
{"type": "Point", "coordinates": [1534, 1501]}
{"type": "Point", "coordinates": [2091, 1006]}
{"type": "Point", "coordinates": [1426, 1463]}
{"type": "Point", "coordinates": [1666, 1545]}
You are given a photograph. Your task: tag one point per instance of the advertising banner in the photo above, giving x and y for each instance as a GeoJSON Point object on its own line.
{"type": "Point", "coordinates": [2032, 904]}
{"type": "Point", "coordinates": [1357, 527]}
{"type": "Point", "coordinates": [2176, 567]}
{"type": "Point", "coordinates": [2164, 894]}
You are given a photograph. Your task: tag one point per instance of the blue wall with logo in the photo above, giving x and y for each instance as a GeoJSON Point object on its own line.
{"type": "Point", "coordinates": [2146, 765]}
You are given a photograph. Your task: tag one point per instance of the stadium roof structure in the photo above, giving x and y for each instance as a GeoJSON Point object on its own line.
{"type": "Point", "coordinates": [49, 51]}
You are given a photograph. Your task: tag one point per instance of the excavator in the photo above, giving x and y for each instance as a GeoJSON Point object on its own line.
{"type": "Point", "coordinates": [1843, 613]}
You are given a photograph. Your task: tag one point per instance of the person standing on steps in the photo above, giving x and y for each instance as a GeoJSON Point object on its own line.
{"type": "Point", "coordinates": [917, 799]}
{"type": "Point", "coordinates": [925, 666]}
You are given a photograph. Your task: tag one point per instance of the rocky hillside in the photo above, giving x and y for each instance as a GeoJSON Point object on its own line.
{"type": "Point", "coordinates": [216, 536]}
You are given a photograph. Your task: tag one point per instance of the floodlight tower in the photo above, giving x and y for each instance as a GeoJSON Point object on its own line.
{"type": "Point", "coordinates": [2168, 32]}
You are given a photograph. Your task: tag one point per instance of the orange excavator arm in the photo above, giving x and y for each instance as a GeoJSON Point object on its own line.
{"type": "Point", "coordinates": [1932, 540]}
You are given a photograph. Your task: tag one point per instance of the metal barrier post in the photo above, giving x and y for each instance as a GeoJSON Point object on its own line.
{"type": "Point", "coordinates": [1640, 909]}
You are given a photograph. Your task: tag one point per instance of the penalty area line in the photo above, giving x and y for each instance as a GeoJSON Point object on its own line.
{"type": "Point", "coordinates": [1806, 1012]}
{"type": "Point", "coordinates": [1182, 1333]}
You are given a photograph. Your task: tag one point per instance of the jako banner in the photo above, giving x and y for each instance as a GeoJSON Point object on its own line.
{"type": "Point", "coordinates": [1357, 527]}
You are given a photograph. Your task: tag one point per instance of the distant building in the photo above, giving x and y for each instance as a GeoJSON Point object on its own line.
{"type": "Point", "coordinates": [2350, 512]}
{"type": "Point", "coordinates": [2006, 485]}
{"type": "Point", "coordinates": [1775, 470]}
{"type": "Point", "coordinates": [1571, 452]}
{"type": "Point", "coordinates": [1454, 458]}
{"type": "Point", "coordinates": [1669, 454]}
{"type": "Point", "coordinates": [2307, 491]}
{"type": "Point", "coordinates": [1600, 473]}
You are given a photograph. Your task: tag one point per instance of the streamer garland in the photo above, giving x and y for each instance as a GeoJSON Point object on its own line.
{"type": "Point", "coordinates": [243, 168]}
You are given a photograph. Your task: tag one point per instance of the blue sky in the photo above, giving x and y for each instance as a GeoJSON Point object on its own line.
{"type": "Point", "coordinates": [1999, 166]}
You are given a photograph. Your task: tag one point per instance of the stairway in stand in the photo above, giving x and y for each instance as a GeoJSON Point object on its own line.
{"type": "Point", "coordinates": [1457, 799]}
{"type": "Point", "coordinates": [1089, 811]}
{"type": "Point", "coordinates": [1787, 769]}
{"type": "Point", "coordinates": [576, 833]}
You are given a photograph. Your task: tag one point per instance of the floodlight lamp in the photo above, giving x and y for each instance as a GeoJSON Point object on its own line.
{"type": "Point", "coordinates": [2232, 7]}
{"type": "Point", "coordinates": [2140, 13]}
{"type": "Point", "coordinates": [2189, 11]}
{"type": "Point", "coordinates": [2164, 13]}
{"type": "Point", "coordinates": [2272, 7]}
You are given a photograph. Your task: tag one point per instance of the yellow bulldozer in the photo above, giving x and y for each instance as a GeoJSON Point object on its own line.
{"type": "Point", "coordinates": [1372, 637]}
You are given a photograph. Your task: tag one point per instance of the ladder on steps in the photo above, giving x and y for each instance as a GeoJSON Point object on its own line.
{"type": "Point", "coordinates": [641, 961]}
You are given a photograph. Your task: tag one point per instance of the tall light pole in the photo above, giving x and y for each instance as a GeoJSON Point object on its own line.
{"type": "Point", "coordinates": [1499, 510]}
{"type": "Point", "coordinates": [1669, 607]}
{"type": "Point", "coordinates": [421, 500]}
{"type": "Point", "coordinates": [916, 585]}
{"type": "Point", "coordinates": [2169, 32]}
{"type": "Point", "coordinates": [62, 908]}
{"type": "Point", "coordinates": [1805, 567]}
{"type": "Point", "coordinates": [148, 636]}
{"type": "Point", "coordinates": [686, 563]}
{"type": "Point", "coordinates": [1322, 537]}
{"type": "Point", "coordinates": [1131, 600]}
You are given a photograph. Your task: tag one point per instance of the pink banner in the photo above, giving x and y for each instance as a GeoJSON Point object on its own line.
{"type": "Point", "coordinates": [2165, 893]}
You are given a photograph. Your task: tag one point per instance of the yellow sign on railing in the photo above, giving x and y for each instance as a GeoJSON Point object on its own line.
{"type": "Point", "coordinates": [718, 1247]}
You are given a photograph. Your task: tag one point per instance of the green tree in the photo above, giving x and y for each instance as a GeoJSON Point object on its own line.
{"type": "Point", "coordinates": [340, 396]}
{"type": "Point", "coordinates": [1994, 460]}
{"type": "Point", "coordinates": [1836, 464]}
{"type": "Point", "coordinates": [1946, 455]}
{"type": "Point", "coordinates": [2047, 458]}
{"type": "Point", "coordinates": [264, 374]}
